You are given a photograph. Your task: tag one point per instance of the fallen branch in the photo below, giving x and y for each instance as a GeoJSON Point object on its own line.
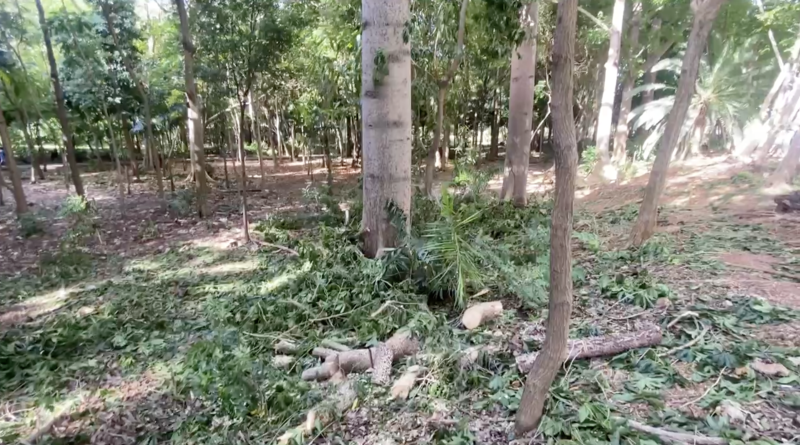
{"type": "Point", "coordinates": [359, 360]}
{"type": "Point", "coordinates": [702, 396]}
{"type": "Point", "coordinates": [680, 317]}
{"type": "Point", "coordinates": [671, 436]}
{"type": "Point", "coordinates": [601, 346]}
{"type": "Point", "coordinates": [291, 252]}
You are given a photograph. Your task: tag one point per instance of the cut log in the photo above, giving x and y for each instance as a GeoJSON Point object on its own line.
{"type": "Point", "coordinates": [324, 413]}
{"type": "Point", "coordinates": [481, 313]}
{"type": "Point", "coordinates": [286, 347]}
{"type": "Point", "coordinates": [403, 386]}
{"type": "Point", "coordinates": [382, 365]}
{"type": "Point", "coordinates": [359, 360]}
{"type": "Point", "coordinates": [330, 344]}
{"type": "Point", "coordinates": [601, 346]}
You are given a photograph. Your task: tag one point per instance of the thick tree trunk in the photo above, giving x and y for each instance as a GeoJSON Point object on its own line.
{"type": "Point", "coordinates": [622, 130]}
{"type": "Point", "coordinates": [444, 85]}
{"type": "Point", "coordinates": [554, 350]}
{"type": "Point", "coordinates": [194, 122]}
{"type": "Point", "coordinates": [603, 169]}
{"type": "Point", "coordinates": [520, 109]}
{"type": "Point", "coordinates": [36, 170]}
{"type": "Point", "coordinates": [143, 91]}
{"type": "Point", "coordinates": [13, 172]}
{"type": "Point", "coordinates": [243, 181]}
{"type": "Point", "coordinates": [61, 109]}
{"type": "Point", "coordinates": [787, 169]}
{"type": "Point", "coordinates": [386, 111]}
{"type": "Point", "coordinates": [705, 11]}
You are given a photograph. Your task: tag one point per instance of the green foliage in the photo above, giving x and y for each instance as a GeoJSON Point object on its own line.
{"type": "Point", "coordinates": [639, 289]}
{"type": "Point", "coordinates": [182, 202]}
{"type": "Point", "coordinates": [589, 158]}
{"type": "Point", "coordinates": [30, 225]}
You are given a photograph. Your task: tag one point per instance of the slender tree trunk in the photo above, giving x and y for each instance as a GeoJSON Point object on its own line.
{"type": "Point", "coordinates": [278, 135]}
{"type": "Point", "coordinates": [787, 169]}
{"type": "Point", "coordinates": [293, 150]}
{"type": "Point", "coordinates": [61, 109]}
{"type": "Point", "coordinates": [112, 146]}
{"type": "Point", "coordinates": [326, 146]}
{"type": "Point", "coordinates": [257, 136]}
{"type": "Point", "coordinates": [243, 181]}
{"type": "Point", "coordinates": [444, 85]}
{"type": "Point", "coordinates": [36, 171]}
{"type": "Point", "coordinates": [386, 110]}
{"type": "Point", "coordinates": [194, 121]}
{"type": "Point", "coordinates": [603, 169]}
{"type": "Point", "coordinates": [621, 132]}
{"type": "Point", "coordinates": [126, 132]}
{"type": "Point", "coordinates": [13, 172]}
{"type": "Point", "coordinates": [494, 144]}
{"type": "Point", "coordinates": [349, 135]}
{"type": "Point", "coordinates": [554, 350]}
{"type": "Point", "coordinates": [144, 92]}
{"type": "Point", "coordinates": [520, 110]}
{"type": "Point", "coordinates": [705, 11]}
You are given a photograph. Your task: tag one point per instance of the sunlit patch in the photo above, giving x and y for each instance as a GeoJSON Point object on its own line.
{"type": "Point", "coordinates": [29, 309]}
{"type": "Point", "coordinates": [229, 268]}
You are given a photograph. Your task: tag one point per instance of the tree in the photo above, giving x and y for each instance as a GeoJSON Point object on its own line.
{"type": "Point", "coordinates": [603, 140]}
{"type": "Point", "coordinates": [787, 169]}
{"type": "Point", "coordinates": [554, 350]}
{"type": "Point", "coordinates": [13, 172]}
{"type": "Point", "coordinates": [195, 112]}
{"type": "Point", "coordinates": [705, 11]}
{"type": "Point", "coordinates": [109, 11]}
{"type": "Point", "coordinates": [444, 84]}
{"type": "Point", "coordinates": [386, 112]}
{"type": "Point", "coordinates": [61, 109]}
{"type": "Point", "coordinates": [520, 109]}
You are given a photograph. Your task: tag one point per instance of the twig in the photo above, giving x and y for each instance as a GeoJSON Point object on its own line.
{"type": "Point", "coordinates": [706, 391]}
{"type": "Point", "coordinates": [689, 344]}
{"type": "Point", "coordinates": [681, 316]}
{"type": "Point", "coordinates": [628, 317]}
{"type": "Point", "coordinates": [671, 436]}
{"type": "Point", "coordinates": [291, 252]}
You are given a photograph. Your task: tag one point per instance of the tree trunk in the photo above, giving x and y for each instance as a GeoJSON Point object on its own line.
{"type": "Point", "coordinates": [603, 169]}
{"type": "Point", "coordinates": [444, 85]}
{"type": "Point", "coordinates": [698, 134]}
{"type": "Point", "coordinates": [194, 120]}
{"type": "Point", "coordinates": [520, 110]}
{"type": "Point", "coordinates": [705, 11]}
{"type": "Point", "coordinates": [13, 172]}
{"type": "Point", "coordinates": [554, 350]}
{"type": "Point", "coordinates": [36, 170]}
{"type": "Point", "coordinates": [278, 135]}
{"type": "Point", "coordinates": [112, 145]}
{"type": "Point", "coordinates": [494, 144]}
{"type": "Point", "coordinates": [257, 136]}
{"type": "Point", "coordinates": [326, 147]}
{"type": "Point", "coordinates": [126, 131]}
{"type": "Point", "coordinates": [349, 135]}
{"type": "Point", "coordinates": [61, 109]}
{"type": "Point", "coordinates": [621, 132]}
{"type": "Point", "coordinates": [293, 146]}
{"type": "Point", "coordinates": [143, 91]}
{"type": "Point", "coordinates": [787, 169]}
{"type": "Point", "coordinates": [243, 181]}
{"type": "Point", "coordinates": [386, 111]}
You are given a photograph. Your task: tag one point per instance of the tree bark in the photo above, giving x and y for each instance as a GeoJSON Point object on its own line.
{"type": "Point", "coordinates": [520, 109]}
{"type": "Point", "coordinates": [787, 169]}
{"type": "Point", "coordinates": [257, 136]}
{"type": "Point", "coordinates": [126, 132]}
{"type": "Point", "coordinates": [194, 114]}
{"type": "Point", "coordinates": [621, 132]}
{"type": "Point", "coordinates": [554, 350]}
{"type": "Point", "coordinates": [61, 109]}
{"type": "Point", "coordinates": [13, 172]}
{"type": "Point", "coordinates": [603, 169]}
{"type": "Point", "coordinates": [444, 85]}
{"type": "Point", "coordinates": [386, 123]}
{"type": "Point", "coordinates": [143, 91]}
{"type": "Point", "coordinates": [705, 11]}
{"type": "Point", "coordinates": [243, 181]}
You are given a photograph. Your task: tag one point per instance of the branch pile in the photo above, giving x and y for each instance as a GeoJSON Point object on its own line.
{"type": "Point", "coordinates": [379, 358]}
{"type": "Point", "coordinates": [601, 346]}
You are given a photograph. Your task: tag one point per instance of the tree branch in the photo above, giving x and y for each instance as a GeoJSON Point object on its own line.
{"type": "Point", "coordinates": [462, 23]}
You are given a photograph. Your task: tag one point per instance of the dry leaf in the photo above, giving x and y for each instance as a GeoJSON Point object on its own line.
{"type": "Point", "coordinates": [481, 312]}
{"type": "Point", "coordinates": [770, 369]}
{"type": "Point", "coordinates": [403, 386]}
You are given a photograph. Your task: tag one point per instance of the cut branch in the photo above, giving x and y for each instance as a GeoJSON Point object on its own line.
{"type": "Point", "coordinates": [672, 436]}
{"type": "Point", "coordinates": [601, 346]}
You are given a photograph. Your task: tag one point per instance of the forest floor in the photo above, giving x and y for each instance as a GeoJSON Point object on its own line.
{"type": "Point", "coordinates": [148, 325]}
